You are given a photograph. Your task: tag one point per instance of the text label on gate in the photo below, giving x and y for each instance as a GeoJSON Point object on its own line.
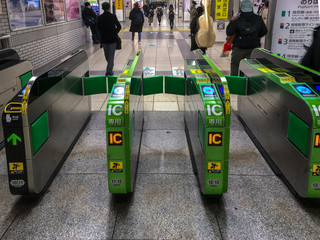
{"type": "Point", "coordinates": [215, 138]}
{"type": "Point", "coordinates": [115, 138]}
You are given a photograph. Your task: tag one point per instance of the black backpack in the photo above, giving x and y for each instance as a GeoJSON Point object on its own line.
{"type": "Point", "coordinates": [159, 12]}
{"type": "Point", "coordinates": [138, 19]}
{"type": "Point", "coordinates": [171, 15]}
{"type": "Point", "coordinates": [89, 21]}
{"type": "Point", "coordinates": [248, 35]}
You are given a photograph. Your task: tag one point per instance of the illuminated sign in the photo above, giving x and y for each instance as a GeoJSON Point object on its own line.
{"type": "Point", "coordinates": [222, 90]}
{"type": "Point", "coordinates": [304, 91]}
{"type": "Point", "coordinates": [118, 91]}
{"type": "Point", "coordinates": [215, 110]}
{"type": "Point", "coordinates": [115, 138]}
{"type": "Point", "coordinates": [13, 107]}
{"type": "Point", "coordinates": [112, 110]}
{"type": "Point", "coordinates": [215, 138]}
{"type": "Point", "coordinates": [317, 140]}
{"type": "Point", "coordinates": [208, 91]}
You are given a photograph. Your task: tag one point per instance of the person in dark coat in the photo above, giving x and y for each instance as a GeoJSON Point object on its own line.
{"type": "Point", "coordinates": [194, 28]}
{"type": "Point", "coordinates": [312, 57]}
{"type": "Point", "coordinates": [90, 19]}
{"type": "Point", "coordinates": [137, 21]}
{"type": "Point", "coordinates": [248, 29]}
{"type": "Point", "coordinates": [109, 27]}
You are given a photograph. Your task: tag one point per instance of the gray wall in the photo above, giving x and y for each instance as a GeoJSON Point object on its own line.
{"type": "Point", "coordinates": [40, 45]}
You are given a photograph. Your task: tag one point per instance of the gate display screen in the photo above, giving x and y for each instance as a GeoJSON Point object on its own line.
{"type": "Point", "coordinates": [304, 91]}
{"type": "Point", "coordinates": [118, 91]}
{"type": "Point", "coordinates": [208, 91]}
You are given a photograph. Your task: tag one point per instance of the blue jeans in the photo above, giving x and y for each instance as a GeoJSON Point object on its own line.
{"type": "Point", "coordinates": [139, 36]}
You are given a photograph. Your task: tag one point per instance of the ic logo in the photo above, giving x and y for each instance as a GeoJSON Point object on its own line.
{"type": "Point", "coordinates": [115, 138]}
{"type": "Point", "coordinates": [215, 138]}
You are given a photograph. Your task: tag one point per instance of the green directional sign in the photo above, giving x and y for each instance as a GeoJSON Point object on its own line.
{"type": "Point", "coordinates": [14, 139]}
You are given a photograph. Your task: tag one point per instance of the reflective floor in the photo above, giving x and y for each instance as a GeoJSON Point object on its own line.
{"type": "Point", "coordinates": [167, 203]}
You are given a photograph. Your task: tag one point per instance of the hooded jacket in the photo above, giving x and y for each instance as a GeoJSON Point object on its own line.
{"type": "Point", "coordinates": [134, 15]}
{"type": "Point", "coordinates": [249, 29]}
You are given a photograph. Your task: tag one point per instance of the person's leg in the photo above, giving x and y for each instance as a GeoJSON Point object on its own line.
{"type": "Point", "coordinates": [106, 54]}
{"type": "Point", "coordinates": [236, 55]}
{"type": "Point", "coordinates": [94, 34]}
{"type": "Point", "coordinates": [110, 57]}
{"type": "Point", "coordinates": [132, 38]}
{"type": "Point", "coordinates": [139, 36]}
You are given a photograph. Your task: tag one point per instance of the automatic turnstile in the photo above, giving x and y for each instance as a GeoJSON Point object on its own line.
{"type": "Point", "coordinates": [281, 108]}
{"type": "Point", "coordinates": [207, 121]}
{"type": "Point", "coordinates": [15, 74]}
{"type": "Point", "coordinates": [124, 125]}
{"type": "Point", "coordinates": [42, 121]}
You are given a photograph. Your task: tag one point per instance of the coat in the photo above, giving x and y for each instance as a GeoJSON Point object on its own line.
{"type": "Point", "coordinates": [134, 27]}
{"type": "Point", "coordinates": [109, 27]}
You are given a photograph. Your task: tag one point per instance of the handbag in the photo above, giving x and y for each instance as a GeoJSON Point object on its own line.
{"type": "Point", "coordinates": [118, 47]}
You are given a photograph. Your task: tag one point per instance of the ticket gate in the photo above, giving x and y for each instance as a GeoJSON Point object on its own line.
{"type": "Point", "coordinates": [124, 125]}
{"type": "Point", "coordinates": [15, 73]}
{"type": "Point", "coordinates": [42, 122]}
{"type": "Point", "coordinates": [281, 108]}
{"type": "Point", "coordinates": [207, 120]}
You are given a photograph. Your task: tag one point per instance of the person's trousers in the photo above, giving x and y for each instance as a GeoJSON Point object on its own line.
{"type": "Point", "coordinates": [236, 55]}
{"type": "Point", "coordinates": [109, 51]}
{"type": "Point", "coordinates": [171, 23]}
{"type": "Point", "coordinates": [139, 36]}
{"type": "Point", "coordinates": [94, 32]}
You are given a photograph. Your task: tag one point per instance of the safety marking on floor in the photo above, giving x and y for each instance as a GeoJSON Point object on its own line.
{"type": "Point", "coordinates": [316, 170]}
{"type": "Point", "coordinates": [116, 167]}
{"type": "Point", "coordinates": [214, 167]}
{"type": "Point", "coordinates": [151, 45]}
{"type": "Point", "coordinates": [149, 71]}
{"type": "Point", "coordinates": [178, 71]}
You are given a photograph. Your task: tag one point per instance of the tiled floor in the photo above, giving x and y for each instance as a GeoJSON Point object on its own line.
{"type": "Point", "coordinates": [167, 203]}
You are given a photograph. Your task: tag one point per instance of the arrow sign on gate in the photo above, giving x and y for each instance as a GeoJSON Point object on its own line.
{"type": "Point", "coordinates": [14, 137]}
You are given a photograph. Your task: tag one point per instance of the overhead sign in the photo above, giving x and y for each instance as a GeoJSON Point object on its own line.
{"type": "Point", "coordinates": [293, 27]}
{"type": "Point", "coordinates": [222, 8]}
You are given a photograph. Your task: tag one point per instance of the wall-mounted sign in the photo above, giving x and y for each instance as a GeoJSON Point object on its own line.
{"type": "Point", "coordinates": [293, 27]}
{"type": "Point", "coordinates": [222, 8]}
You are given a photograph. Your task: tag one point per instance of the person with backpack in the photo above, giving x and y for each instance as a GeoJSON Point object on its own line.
{"type": "Point", "coordinates": [151, 14]}
{"type": "Point", "coordinates": [171, 16]}
{"type": "Point", "coordinates": [194, 28]}
{"type": "Point", "coordinates": [312, 56]}
{"type": "Point", "coordinates": [137, 21]}
{"type": "Point", "coordinates": [247, 30]}
{"type": "Point", "coordinates": [90, 20]}
{"type": "Point", "coordinates": [159, 13]}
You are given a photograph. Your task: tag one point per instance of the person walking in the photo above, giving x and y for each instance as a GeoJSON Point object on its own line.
{"type": "Point", "coordinates": [151, 14]}
{"type": "Point", "coordinates": [109, 27]}
{"type": "Point", "coordinates": [248, 29]}
{"type": "Point", "coordinates": [90, 20]}
{"type": "Point", "coordinates": [194, 28]}
{"type": "Point", "coordinates": [159, 13]}
{"type": "Point", "coordinates": [137, 21]}
{"type": "Point", "coordinates": [171, 16]}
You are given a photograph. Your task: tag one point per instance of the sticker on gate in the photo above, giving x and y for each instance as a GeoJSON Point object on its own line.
{"type": "Point", "coordinates": [116, 167]}
{"type": "Point", "coordinates": [214, 167]}
{"type": "Point", "coordinates": [16, 168]}
{"type": "Point", "coordinates": [316, 170]}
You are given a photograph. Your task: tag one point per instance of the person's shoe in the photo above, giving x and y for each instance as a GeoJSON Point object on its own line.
{"type": "Point", "coordinates": [109, 73]}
